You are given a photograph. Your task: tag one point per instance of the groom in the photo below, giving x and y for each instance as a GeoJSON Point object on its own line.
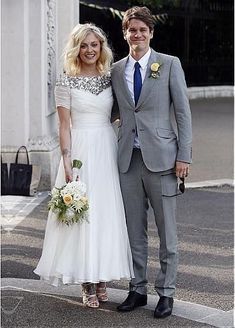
{"type": "Point", "coordinates": [149, 86]}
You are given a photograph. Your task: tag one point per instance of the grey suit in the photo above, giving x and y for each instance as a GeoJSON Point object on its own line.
{"type": "Point", "coordinates": [149, 174]}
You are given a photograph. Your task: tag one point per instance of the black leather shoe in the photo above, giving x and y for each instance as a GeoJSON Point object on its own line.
{"type": "Point", "coordinates": [164, 307]}
{"type": "Point", "coordinates": [133, 300]}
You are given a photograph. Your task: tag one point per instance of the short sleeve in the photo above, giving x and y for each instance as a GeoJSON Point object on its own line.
{"type": "Point", "coordinates": [62, 96]}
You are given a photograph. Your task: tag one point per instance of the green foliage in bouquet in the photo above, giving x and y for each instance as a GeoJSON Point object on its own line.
{"type": "Point", "coordinates": [69, 202]}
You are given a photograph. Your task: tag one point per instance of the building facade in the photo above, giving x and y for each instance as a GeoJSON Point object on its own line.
{"type": "Point", "coordinates": [33, 36]}
{"type": "Point", "coordinates": [34, 33]}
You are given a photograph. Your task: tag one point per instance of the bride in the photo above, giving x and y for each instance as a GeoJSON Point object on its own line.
{"type": "Point", "coordinates": [95, 252]}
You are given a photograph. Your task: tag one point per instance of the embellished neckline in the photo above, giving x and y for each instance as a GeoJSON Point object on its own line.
{"type": "Point", "coordinates": [93, 84]}
{"type": "Point", "coordinates": [87, 76]}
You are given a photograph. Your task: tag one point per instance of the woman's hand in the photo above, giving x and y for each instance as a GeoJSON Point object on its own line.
{"type": "Point", "coordinates": [68, 171]}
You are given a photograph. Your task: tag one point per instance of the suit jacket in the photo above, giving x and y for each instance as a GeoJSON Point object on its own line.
{"type": "Point", "coordinates": [151, 118]}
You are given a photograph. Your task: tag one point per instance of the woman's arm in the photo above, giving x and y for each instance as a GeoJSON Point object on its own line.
{"type": "Point", "coordinates": [65, 140]}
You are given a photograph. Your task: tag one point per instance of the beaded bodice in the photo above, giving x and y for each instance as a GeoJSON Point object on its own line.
{"type": "Point", "coordinates": [89, 99]}
{"type": "Point", "coordinates": [93, 84]}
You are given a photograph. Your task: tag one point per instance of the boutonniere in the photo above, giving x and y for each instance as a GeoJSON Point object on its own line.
{"type": "Point", "coordinates": [155, 70]}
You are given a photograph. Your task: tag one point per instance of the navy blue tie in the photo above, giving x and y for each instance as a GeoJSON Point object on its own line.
{"type": "Point", "coordinates": [137, 82]}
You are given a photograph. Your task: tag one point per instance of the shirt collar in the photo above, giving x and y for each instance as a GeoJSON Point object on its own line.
{"type": "Point", "coordinates": [143, 60]}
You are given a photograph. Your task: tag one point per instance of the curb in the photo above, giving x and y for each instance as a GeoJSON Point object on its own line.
{"type": "Point", "coordinates": [191, 311]}
{"type": "Point", "coordinates": [211, 183]}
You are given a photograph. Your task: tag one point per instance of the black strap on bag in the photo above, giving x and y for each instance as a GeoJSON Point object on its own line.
{"type": "Point", "coordinates": [4, 178]}
{"type": "Point", "coordinates": [20, 176]}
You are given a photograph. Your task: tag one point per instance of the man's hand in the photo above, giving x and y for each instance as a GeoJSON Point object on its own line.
{"type": "Point", "coordinates": [181, 169]}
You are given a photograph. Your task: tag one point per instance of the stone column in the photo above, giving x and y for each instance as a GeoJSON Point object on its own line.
{"type": "Point", "coordinates": [33, 35]}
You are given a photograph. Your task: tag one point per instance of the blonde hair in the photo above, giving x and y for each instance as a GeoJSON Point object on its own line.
{"type": "Point", "coordinates": [72, 62]}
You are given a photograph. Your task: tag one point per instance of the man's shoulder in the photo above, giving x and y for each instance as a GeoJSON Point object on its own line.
{"type": "Point", "coordinates": [119, 63]}
{"type": "Point", "coordinates": [164, 57]}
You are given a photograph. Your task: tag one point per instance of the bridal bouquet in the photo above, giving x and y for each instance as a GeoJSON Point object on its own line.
{"type": "Point", "coordinates": [70, 202]}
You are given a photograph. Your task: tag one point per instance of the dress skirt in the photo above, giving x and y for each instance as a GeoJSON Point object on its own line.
{"type": "Point", "coordinates": [97, 250]}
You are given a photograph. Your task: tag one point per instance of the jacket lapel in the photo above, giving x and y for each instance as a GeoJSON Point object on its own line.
{"type": "Point", "coordinates": [149, 82]}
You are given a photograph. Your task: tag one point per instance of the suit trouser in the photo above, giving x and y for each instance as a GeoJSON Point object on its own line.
{"type": "Point", "coordinates": [138, 186]}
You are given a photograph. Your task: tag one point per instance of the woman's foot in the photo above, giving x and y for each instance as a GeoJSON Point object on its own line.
{"type": "Point", "coordinates": [101, 292]}
{"type": "Point", "coordinates": [89, 297]}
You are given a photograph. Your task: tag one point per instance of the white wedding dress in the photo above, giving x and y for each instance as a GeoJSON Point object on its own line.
{"type": "Point", "coordinates": [98, 250]}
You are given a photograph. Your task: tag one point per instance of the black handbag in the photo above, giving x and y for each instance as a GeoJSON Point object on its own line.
{"type": "Point", "coordinates": [23, 178]}
{"type": "Point", "coordinates": [4, 178]}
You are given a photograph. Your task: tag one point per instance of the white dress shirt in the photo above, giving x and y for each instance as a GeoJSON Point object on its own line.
{"type": "Point", "coordinates": [129, 75]}
{"type": "Point", "coordinates": [130, 68]}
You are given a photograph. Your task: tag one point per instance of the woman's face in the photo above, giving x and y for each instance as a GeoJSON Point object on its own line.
{"type": "Point", "coordinates": [90, 50]}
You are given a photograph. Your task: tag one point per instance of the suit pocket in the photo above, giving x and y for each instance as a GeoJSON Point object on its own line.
{"type": "Point", "coordinates": [169, 185]}
{"type": "Point", "coordinates": [166, 133]}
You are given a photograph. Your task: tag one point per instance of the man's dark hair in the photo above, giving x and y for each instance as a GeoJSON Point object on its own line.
{"type": "Point", "coordinates": [141, 13]}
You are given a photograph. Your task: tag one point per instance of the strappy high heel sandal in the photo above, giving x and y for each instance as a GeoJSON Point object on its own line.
{"type": "Point", "coordinates": [101, 292]}
{"type": "Point", "coordinates": [89, 297]}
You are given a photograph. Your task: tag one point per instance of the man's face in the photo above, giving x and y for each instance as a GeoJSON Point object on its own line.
{"type": "Point", "coordinates": [138, 35]}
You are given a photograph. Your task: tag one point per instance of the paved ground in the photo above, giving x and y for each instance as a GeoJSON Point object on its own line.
{"type": "Point", "coordinates": [205, 276]}
{"type": "Point", "coordinates": [204, 296]}
{"type": "Point", "coordinates": [213, 137]}
{"type": "Point", "coordinates": [46, 310]}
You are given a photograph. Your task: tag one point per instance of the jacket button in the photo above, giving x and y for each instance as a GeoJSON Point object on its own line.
{"type": "Point", "coordinates": [133, 130]}
{"type": "Point", "coordinates": [136, 110]}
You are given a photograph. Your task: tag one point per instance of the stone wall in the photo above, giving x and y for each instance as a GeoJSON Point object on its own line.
{"type": "Point", "coordinates": [33, 36]}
